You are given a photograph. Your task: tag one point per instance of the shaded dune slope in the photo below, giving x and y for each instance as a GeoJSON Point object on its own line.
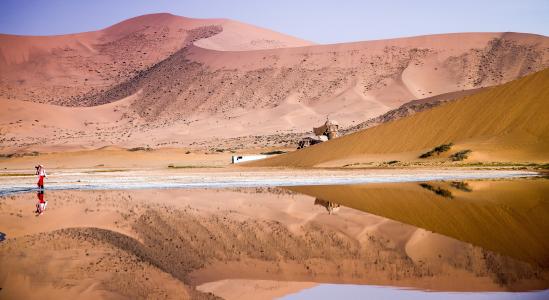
{"type": "Point", "coordinates": [511, 117]}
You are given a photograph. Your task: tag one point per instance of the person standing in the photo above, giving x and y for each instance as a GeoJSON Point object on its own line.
{"type": "Point", "coordinates": [41, 173]}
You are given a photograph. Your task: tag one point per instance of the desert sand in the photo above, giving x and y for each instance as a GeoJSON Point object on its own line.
{"type": "Point", "coordinates": [142, 82]}
{"type": "Point", "coordinates": [128, 244]}
{"type": "Point", "coordinates": [136, 124]}
{"type": "Point", "coordinates": [505, 123]}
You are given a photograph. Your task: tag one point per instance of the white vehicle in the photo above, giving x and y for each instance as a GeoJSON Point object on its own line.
{"type": "Point", "coordinates": [242, 158]}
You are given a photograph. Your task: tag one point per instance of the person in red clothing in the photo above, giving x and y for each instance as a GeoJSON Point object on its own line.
{"type": "Point", "coordinates": [41, 172]}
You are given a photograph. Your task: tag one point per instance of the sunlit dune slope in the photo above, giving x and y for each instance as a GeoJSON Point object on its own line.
{"type": "Point", "coordinates": [507, 123]}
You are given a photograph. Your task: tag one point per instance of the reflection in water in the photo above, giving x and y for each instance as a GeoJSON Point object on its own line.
{"type": "Point", "coordinates": [198, 237]}
{"type": "Point", "coordinates": [41, 204]}
{"type": "Point", "coordinates": [331, 207]}
{"type": "Point", "coordinates": [508, 217]}
{"type": "Point", "coordinates": [461, 185]}
{"type": "Point", "coordinates": [345, 291]}
{"type": "Point", "coordinates": [437, 190]}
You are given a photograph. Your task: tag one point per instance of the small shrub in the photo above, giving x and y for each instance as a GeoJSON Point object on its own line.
{"type": "Point", "coordinates": [140, 149]}
{"type": "Point", "coordinates": [460, 155]}
{"type": "Point", "coordinates": [437, 150]}
{"type": "Point", "coordinates": [273, 152]}
{"type": "Point", "coordinates": [426, 154]}
{"type": "Point", "coordinates": [443, 148]}
{"type": "Point", "coordinates": [393, 162]}
{"type": "Point", "coordinates": [544, 166]}
{"type": "Point", "coordinates": [10, 155]}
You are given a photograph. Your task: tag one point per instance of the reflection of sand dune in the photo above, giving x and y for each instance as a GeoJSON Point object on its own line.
{"type": "Point", "coordinates": [130, 243]}
{"type": "Point", "coordinates": [508, 123]}
{"type": "Point", "coordinates": [508, 217]}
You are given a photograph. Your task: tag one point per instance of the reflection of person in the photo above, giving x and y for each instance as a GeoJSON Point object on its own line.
{"type": "Point", "coordinates": [41, 204]}
{"type": "Point", "coordinates": [41, 172]}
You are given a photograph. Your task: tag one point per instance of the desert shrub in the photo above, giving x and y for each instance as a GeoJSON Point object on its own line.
{"type": "Point", "coordinates": [443, 148]}
{"type": "Point", "coordinates": [140, 149]}
{"type": "Point", "coordinates": [426, 154]}
{"type": "Point", "coordinates": [273, 152]}
{"type": "Point", "coordinates": [544, 166]}
{"type": "Point", "coordinates": [437, 150]}
{"type": "Point", "coordinates": [10, 155]}
{"type": "Point", "coordinates": [393, 162]}
{"type": "Point", "coordinates": [460, 155]}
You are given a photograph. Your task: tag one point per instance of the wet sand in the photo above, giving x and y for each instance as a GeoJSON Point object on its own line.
{"type": "Point", "coordinates": [189, 243]}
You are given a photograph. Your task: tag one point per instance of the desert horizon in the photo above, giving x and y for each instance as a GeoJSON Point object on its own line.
{"type": "Point", "coordinates": [172, 155]}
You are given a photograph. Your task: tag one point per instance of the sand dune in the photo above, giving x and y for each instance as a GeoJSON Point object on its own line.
{"type": "Point", "coordinates": [53, 69]}
{"type": "Point", "coordinates": [504, 123]}
{"type": "Point", "coordinates": [191, 77]}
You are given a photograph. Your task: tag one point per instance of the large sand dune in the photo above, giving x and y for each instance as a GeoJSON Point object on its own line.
{"type": "Point", "coordinates": [52, 69]}
{"type": "Point", "coordinates": [203, 80]}
{"type": "Point", "coordinates": [504, 123]}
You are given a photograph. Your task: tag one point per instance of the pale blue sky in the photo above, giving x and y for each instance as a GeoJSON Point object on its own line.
{"type": "Point", "coordinates": [319, 21]}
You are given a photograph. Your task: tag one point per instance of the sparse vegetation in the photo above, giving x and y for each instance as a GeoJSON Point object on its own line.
{"type": "Point", "coordinates": [15, 174]}
{"type": "Point", "coordinates": [460, 155]}
{"type": "Point", "coordinates": [10, 155]}
{"type": "Point", "coordinates": [106, 171]}
{"type": "Point", "coordinates": [392, 162]}
{"type": "Point", "coordinates": [140, 149]}
{"type": "Point", "coordinates": [172, 166]}
{"type": "Point", "coordinates": [437, 150]}
{"type": "Point", "coordinates": [543, 166]}
{"type": "Point", "coordinates": [273, 152]}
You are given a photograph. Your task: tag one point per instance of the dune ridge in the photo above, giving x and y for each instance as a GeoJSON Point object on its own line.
{"type": "Point", "coordinates": [505, 123]}
{"type": "Point", "coordinates": [194, 81]}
